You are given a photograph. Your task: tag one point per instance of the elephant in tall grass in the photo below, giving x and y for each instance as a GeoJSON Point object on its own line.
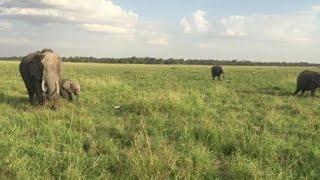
{"type": "Point", "coordinates": [41, 73]}
{"type": "Point", "coordinates": [217, 71]}
{"type": "Point", "coordinates": [307, 81]}
{"type": "Point", "coordinates": [69, 87]}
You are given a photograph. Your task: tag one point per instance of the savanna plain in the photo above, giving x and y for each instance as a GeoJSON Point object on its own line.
{"type": "Point", "coordinates": [162, 122]}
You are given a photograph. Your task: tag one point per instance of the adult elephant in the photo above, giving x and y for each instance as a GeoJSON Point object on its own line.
{"type": "Point", "coordinates": [307, 81]}
{"type": "Point", "coordinates": [41, 73]}
{"type": "Point", "coordinates": [217, 71]}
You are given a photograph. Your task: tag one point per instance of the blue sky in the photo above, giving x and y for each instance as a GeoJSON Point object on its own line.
{"type": "Point", "coordinates": [264, 30]}
{"type": "Point", "coordinates": [217, 7]}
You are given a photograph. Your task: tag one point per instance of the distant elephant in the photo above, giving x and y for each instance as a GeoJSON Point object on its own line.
{"type": "Point", "coordinates": [217, 71]}
{"type": "Point", "coordinates": [41, 73]}
{"type": "Point", "coordinates": [307, 81]}
{"type": "Point", "coordinates": [69, 87]}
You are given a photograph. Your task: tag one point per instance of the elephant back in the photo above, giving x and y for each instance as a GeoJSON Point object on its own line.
{"type": "Point", "coordinates": [46, 50]}
{"type": "Point", "coordinates": [36, 56]}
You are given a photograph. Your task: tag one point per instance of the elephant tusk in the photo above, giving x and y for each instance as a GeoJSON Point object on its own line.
{"type": "Point", "coordinates": [57, 86]}
{"type": "Point", "coordinates": [42, 86]}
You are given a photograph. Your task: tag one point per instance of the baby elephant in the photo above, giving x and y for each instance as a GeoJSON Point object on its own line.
{"type": "Point", "coordinates": [69, 87]}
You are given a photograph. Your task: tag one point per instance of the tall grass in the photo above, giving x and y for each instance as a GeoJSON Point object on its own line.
{"type": "Point", "coordinates": [174, 122]}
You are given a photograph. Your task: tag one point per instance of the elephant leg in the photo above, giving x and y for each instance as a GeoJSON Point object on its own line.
{"type": "Point", "coordinates": [70, 97]}
{"type": "Point", "coordinates": [31, 90]}
{"type": "Point", "coordinates": [27, 82]}
{"type": "Point", "coordinates": [31, 98]}
{"type": "Point", "coordinates": [64, 94]}
{"type": "Point", "coordinates": [41, 99]}
{"type": "Point", "coordinates": [303, 91]}
{"type": "Point", "coordinates": [297, 90]}
{"type": "Point", "coordinates": [39, 94]}
{"type": "Point", "coordinates": [313, 92]}
{"type": "Point", "coordinates": [55, 104]}
{"type": "Point", "coordinates": [219, 78]}
{"type": "Point", "coordinates": [77, 93]}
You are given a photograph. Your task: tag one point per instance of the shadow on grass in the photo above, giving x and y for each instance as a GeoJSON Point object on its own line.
{"type": "Point", "coordinates": [275, 91]}
{"type": "Point", "coordinates": [22, 103]}
{"type": "Point", "coordinates": [271, 91]}
{"type": "Point", "coordinates": [17, 102]}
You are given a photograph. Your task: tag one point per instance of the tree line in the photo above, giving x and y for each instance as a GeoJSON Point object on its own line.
{"type": "Point", "coordinates": [150, 60]}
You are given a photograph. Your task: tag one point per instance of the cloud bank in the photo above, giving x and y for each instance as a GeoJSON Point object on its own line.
{"type": "Point", "coordinates": [97, 16]}
{"type": "Point", "coordinates": [97, 25]}
{"type": "Point", "coordinates": [4, 25]}
{"type": "Point", "coordinates": [300, 26]}
{"type": "Point", "coordinates": [93, 15]}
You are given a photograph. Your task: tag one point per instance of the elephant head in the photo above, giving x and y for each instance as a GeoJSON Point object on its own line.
{"type": "Point", "coordinates": [51, 69]}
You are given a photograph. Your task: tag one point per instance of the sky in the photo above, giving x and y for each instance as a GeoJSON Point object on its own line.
{"type": "Point", "coordinates": [255, 30]}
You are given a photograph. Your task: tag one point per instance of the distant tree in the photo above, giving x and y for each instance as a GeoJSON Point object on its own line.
{"type": "Point", "coordinates": [151, 60]}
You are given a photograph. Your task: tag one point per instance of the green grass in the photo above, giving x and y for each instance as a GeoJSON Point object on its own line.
{"type": "Point", "coordinates": [174, 122]}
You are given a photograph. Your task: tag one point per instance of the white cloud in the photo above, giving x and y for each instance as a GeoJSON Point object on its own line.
{"type": "Point", "coordinates": [195, 23]}
{"type": "Point", "coordinates": [200, 22]}
{"type": "Point", "coordinates": [299, 26]}
{"type": "Point", "coordinates": [106, 28]}
{"type": "Point", "coordinates": [316, 9]}
{"type": "Point", "coordinates": [14, 11]}
{"type": "Point", "coordinates": [3, 1]}
{"type": "Point", "coordinates": [5, 25]}
{"type": "Point", "coordinates": [236, 25]}
{"type": "Point", "coordinates": [185, 25]}
{"type": "Point", "coordinates": [93, 15]}
{"type": "Point", "coordinates": [159, 39]}
{"type": "Point", "coordinates": [96, 16]}
{"type": "Point", "coordinates": [205, 45]}
{"type": "Point", "coordinates": [150, 33]}
{"type": "Point", "coordinates": [14, 41]}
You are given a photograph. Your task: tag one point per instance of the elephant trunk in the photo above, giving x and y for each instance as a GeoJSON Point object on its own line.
{"type": "Point", "coordinates": [50, 84]}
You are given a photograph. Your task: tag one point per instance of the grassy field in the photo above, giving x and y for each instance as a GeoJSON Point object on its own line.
{"type": "Point", "coordinates": [174, 122]}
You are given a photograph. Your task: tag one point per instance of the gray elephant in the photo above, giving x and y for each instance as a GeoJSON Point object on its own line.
{"type": "Point", "coordinates": [69, 87]}
{"type": "Point", "coordinates": [41, 73]}
{"type": "Point", "coordinates": [307, 81]}
{"type": "Point", "coordinates": [217, 71]}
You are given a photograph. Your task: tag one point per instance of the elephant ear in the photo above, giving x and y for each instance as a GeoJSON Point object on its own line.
{"type": "Point", "coordinates": [60, 68]}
